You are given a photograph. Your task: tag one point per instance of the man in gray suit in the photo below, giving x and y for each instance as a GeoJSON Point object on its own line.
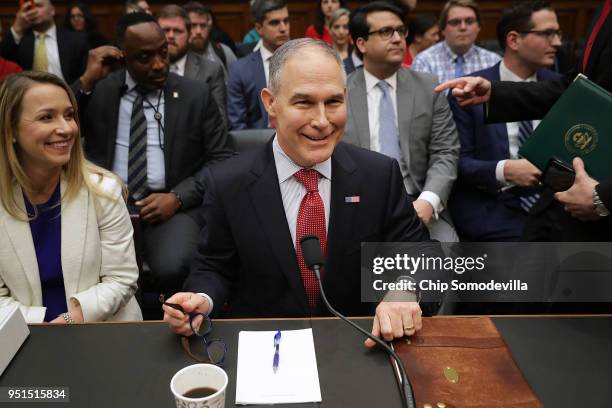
{"type": "Point", "coordinates": [175, 22]}
{"type": "Point", "coordinates": [396, 112]}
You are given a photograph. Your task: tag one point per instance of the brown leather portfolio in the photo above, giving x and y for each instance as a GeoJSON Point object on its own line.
{"type": "Point", "coordinates": [458, 362]}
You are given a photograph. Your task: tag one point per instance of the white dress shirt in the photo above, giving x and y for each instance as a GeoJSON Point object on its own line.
{"type": "Point", "coordinates": [53, 60]}
{"type": "Point", "coordinates": [266, 54]}
{"type": "Point", "coordinates": [156, 171]}
{"type": "Point", "coordinates": [512, 127]}
{"type": "Point", "coordinates": [292, 191]}
{"type": "Point", "coordinates": [178, 67]}
{"type": "Point", "coordinates": [374, 94]}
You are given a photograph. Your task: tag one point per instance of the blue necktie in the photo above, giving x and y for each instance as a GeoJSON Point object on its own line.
{"type": "Point", "coordinates": [387, 124]}
{"type": "Point", "coordinates": [459, 67]}
{"type": "Point", "coordinates": [525, 130]}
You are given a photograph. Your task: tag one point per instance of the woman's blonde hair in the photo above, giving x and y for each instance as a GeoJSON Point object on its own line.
{"type": "Point", "coordinates": [77, 172]}
{"type": "Point", "coordinates": [336, 15]}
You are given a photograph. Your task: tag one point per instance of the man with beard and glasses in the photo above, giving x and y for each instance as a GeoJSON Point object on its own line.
{"type": "Point", "coordinates": [175, 22]}
{"type": "Point", "coordinates": [157, 131]}
{"type": "Point", "coordinates": [35, 43]}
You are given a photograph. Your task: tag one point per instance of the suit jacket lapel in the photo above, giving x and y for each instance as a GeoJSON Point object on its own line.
{"type": "Point", "coordinates": [27, 55]}
{"type": "Point", "coordinates": [65, 53]}
{"type": "Point", "coordinates": [113, 98]}
{"type": "Point", "coordinates": [266, 198]}
{"type": "Point", "coordinates": [344, 184]}
{"type": "Point", "coordinates": [405, 105]}
{"type": "Point", "coordinates": [172, 101]}
{"type": "Point", "coordinates": [358, 100]}
{"type": "Point", "coordinates": [74, 228]}
{"type": "Point", "coordinates": [260, 82]}
{"type": "Point", "coordinates": [21, 237]}
{"type": "Point", "coordinates": [192, 66]}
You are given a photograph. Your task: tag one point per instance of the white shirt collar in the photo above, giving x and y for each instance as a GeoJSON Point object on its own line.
{"type": "Point", "coordinates": [131, 84]}
{"type": "Point", "coordinates": [180, 64]}
{"type": "Point", "coordinates": [51, 32]}
{"type": "Point", "coordinates": [265, 53]}
{"type": "Point", "coordinates": [372, 81]}
{"type": "Point", "coordinates": [286, 168]}
{"type": "Point", "coordinates": [454, 56]}
{"type": "Point", "coordinates": [506, 75]}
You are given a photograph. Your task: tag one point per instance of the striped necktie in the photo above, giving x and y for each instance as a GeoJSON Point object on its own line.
{"type": "Point", "coordinates": [41, 62]}
{"type": "Point", "coordinates": [525, 130]}
{"type": "Point", "coordinates": [137, 157]}
{"type": "Point", "coordinates": [387, 124]}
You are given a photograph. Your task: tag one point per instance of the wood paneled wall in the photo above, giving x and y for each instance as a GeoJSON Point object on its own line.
{"type": "Point", "coordinates": [233, 15]}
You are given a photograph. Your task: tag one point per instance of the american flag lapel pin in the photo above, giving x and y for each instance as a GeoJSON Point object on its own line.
{"type": "Point", "coordinates": [352, 199]}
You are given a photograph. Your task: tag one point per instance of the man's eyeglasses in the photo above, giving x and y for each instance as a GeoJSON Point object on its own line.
{"type": "Point", "coordinates": [204, 351]}
{"type": "Point", "coordinates": [387, 32]}
{"type": "Point", "coordinates": [456, 22]}
{"type": "Point", "coordinates": [550, 34]}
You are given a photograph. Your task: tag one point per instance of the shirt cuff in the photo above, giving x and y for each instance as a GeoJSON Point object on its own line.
{"type": "Point", "coordinates": [16, 37]}
{"type": "Point", "coordinates": [210, 303]}
{"type": "Point", "coordinates": [499, 173]}
{"type": "Point", "coordinates": [433, 199]}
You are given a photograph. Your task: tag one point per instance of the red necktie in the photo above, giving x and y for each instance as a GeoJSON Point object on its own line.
{"type": "Point", "coordinates": [602, 18]}
{"type": "Point", "coordinates": [310, 221]}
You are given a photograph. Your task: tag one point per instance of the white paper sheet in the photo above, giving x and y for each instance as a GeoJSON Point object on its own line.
{"type": "Point", "coordinates": [297, 378]}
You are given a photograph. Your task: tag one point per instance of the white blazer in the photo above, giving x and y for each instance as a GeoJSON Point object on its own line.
{"type": "Point", "coordinates": [97, 253]}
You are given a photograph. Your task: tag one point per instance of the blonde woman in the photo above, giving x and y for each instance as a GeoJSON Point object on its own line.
{"type": "Point", "coordinates": [338, 28]}
{"type": "Point", "coordinates": [66, 248]}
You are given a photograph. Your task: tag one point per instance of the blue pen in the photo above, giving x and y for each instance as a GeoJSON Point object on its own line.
{"type": "Point", "coordinates": [277, 339]}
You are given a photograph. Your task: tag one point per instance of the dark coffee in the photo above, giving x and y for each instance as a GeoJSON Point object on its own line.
{"type": "Point", "coordinates": [200, 392]}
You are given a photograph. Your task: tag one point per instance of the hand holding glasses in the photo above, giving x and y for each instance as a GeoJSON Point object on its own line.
{"type": "Point", "coordinates": [205, 351]}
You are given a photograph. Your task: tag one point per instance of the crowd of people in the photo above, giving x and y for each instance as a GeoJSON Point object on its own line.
{"type": "Point", "coordinates": [379, 136]}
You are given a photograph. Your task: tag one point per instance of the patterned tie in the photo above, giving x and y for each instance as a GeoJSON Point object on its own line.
{"type": "Point", "coordinates": [310, 221]}
{"type": "Point", "coordinates": [459, 67]}
{"type": "Point", "coordinates": [525, 130]}
{"type": "Point", "coordinates": [387, 124]}
{"type": "Point", "coordinates": [137, 158]}
{"type": "Point", "coordinates": [40, 63]}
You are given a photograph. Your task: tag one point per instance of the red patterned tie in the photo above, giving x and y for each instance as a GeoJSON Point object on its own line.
{"type": "Point", "coordinates": [310, 221]}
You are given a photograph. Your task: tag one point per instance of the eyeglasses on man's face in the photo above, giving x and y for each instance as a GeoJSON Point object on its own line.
{"type": "Point", "coordinates": [387, 32]}
{"type": "Point", "coordinates": [549, 34]}
{"type": "Point", "coordinates": [456, 22]}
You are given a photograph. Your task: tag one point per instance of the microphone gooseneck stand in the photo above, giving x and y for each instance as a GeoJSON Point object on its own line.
{"type": "Point", "coordinates": [311, 250]}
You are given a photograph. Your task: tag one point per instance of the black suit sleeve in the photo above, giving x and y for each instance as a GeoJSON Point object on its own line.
{"type": "Point", "coordinates": [516, 101]}
{"type": "Point", "coordinates": [9, 49]}
{"type": "Point", "coordinates": [216, 148]}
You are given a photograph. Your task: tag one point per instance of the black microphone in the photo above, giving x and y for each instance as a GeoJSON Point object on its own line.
{"type": "Point", "coordinates": [313, 257]}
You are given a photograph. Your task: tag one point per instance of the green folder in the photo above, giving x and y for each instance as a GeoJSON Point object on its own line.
{"type": "Point", "coordinates": [578, 125]}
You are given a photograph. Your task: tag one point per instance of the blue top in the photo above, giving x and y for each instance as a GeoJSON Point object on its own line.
{"type": "Point", "coordinates": [47, 236]}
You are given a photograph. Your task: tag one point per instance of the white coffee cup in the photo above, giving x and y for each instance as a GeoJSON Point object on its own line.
{"type": "Point", "coordinates": [198, 376]}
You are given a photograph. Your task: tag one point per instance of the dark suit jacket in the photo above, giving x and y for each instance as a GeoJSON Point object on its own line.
{"type": "Point", "coordinates": [246, 80]}
{"type": "Point", "coordinates": [72, 48]}
{"type": "Point", "coordinates": [482, 212]}
{"type": "Point", "coordinates": [211, 73]}
{"type": "Point", "coordinates": [194, 133]}
{"type": "Point", "coordinates": [511, 102]}
{"type": "Point", "coordinates": [246, 256]}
